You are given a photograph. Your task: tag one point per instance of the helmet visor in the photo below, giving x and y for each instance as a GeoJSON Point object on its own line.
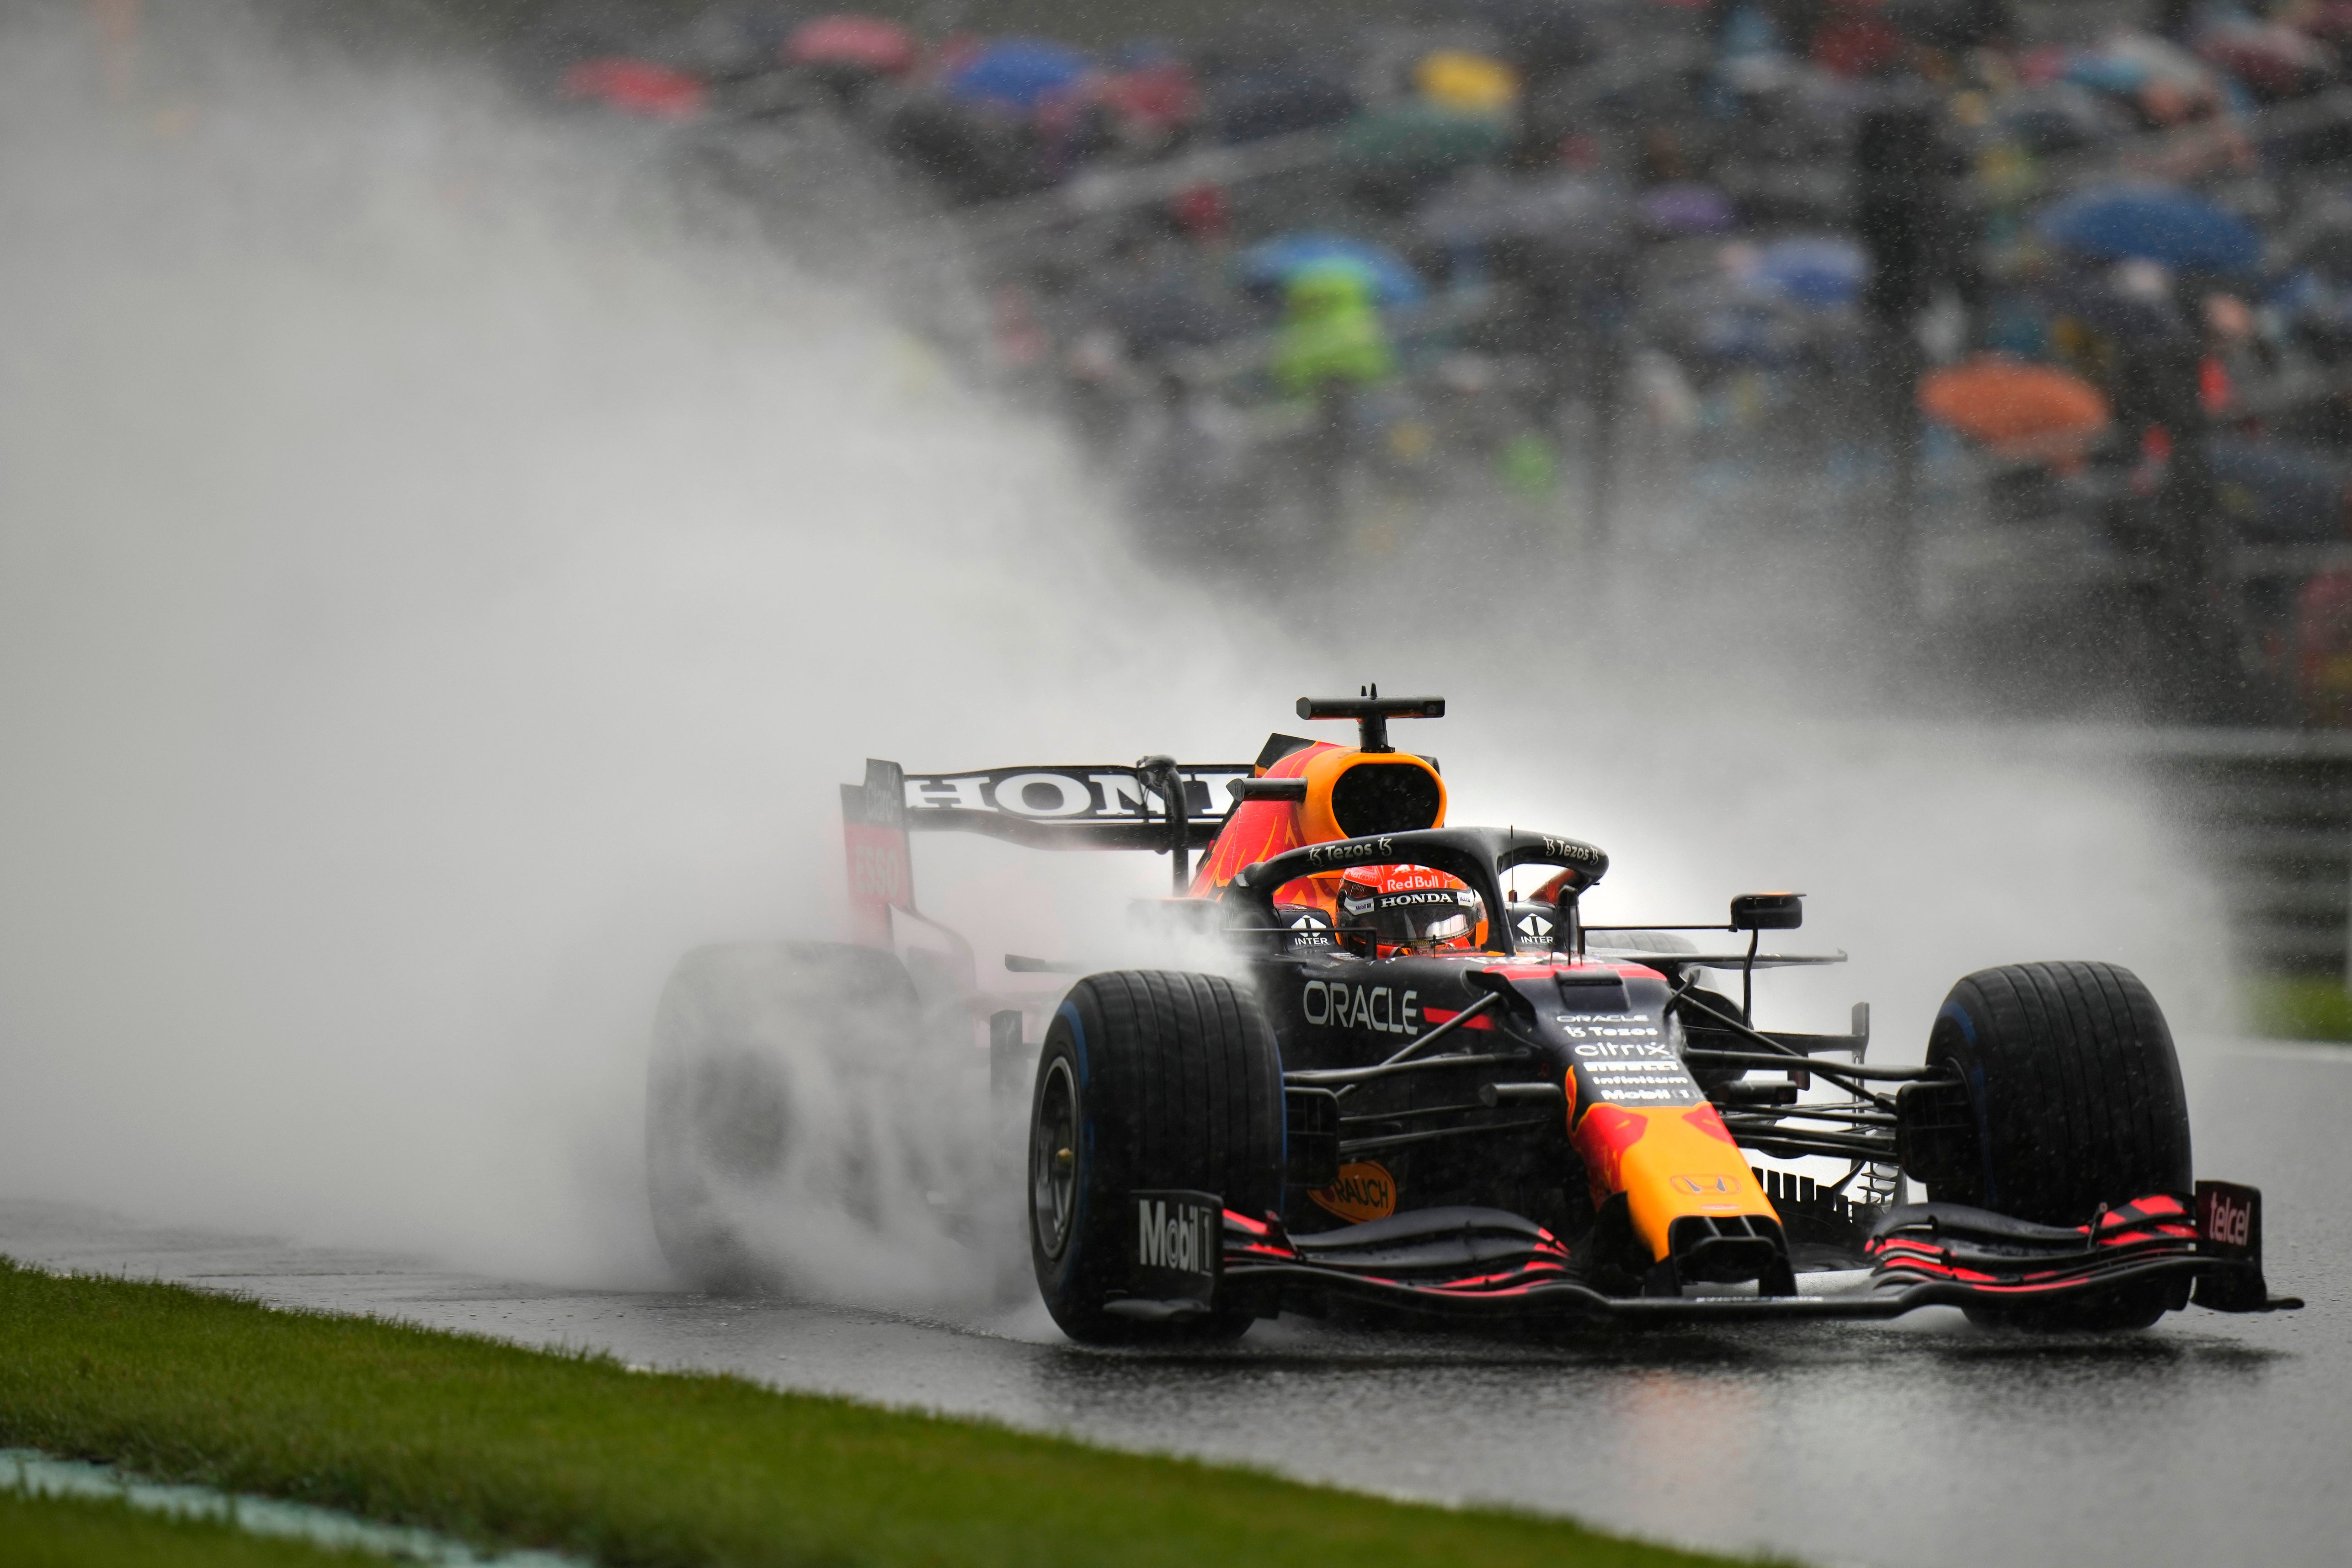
{"type": "Point", "coordinates": [1413, 917]}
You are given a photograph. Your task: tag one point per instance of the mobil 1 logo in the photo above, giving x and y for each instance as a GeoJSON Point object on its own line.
{"type": "Point", "coordinates": [1176, 1242]}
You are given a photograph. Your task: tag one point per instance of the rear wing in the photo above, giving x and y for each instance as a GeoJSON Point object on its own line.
{"type": "Point", "coordinates": [1158, 804]}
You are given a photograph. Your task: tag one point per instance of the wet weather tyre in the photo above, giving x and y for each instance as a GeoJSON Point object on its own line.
{"type": "Point", "coordinates": [2076, 1093]}
{"type": "Point", "coordinates": [1149, 1081]}
{"type": "Point", "coordinates": [725, 1083]}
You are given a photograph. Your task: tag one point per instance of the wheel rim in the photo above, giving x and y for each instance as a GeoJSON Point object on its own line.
{"type": "Point", "coordinates": [1054, 1160]}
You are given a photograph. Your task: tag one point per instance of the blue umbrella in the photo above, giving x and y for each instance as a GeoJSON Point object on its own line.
{"type": "Point", "coordinates": [1277, 260]}
{"type": "Point", "coordinates": [2116, 74]}
{"type": "Point", "coordinates": [1822, 274]}
{"type": "Point", "coordinates": [1018, 73]}
{"type": "Point", "coordinates": [1688, 209]}
{"type": "Point", "coordinates": [2156, 223]}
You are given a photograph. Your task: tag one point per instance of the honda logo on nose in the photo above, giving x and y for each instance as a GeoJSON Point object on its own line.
{"type": "Point", "coordinates": [1711, 1185]}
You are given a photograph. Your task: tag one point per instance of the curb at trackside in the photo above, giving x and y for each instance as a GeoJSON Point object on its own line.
{"type": "Point", "coordinates": [28, 1472]}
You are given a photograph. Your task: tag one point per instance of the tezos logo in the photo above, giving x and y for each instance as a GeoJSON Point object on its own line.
{"type": "Point", "coordinates": [1335, 854]}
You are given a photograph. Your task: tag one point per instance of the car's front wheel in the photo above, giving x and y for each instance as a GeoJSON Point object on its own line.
{"type": "Point", "coordinates": [1150, 1080]}
{"type": "Point", "coordinates": [2076, 1094]}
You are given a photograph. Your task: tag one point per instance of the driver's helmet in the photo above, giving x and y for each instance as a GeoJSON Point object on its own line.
{"type": "Point", "coordinates": [1411, 909]}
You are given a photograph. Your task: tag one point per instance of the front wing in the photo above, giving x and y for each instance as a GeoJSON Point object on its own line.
{"type": "Point", "coordinates": [1485, 1264]}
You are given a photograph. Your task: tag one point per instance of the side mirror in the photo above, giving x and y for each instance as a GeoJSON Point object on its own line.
{"type": "Point", "coordinates": [1768, 912]}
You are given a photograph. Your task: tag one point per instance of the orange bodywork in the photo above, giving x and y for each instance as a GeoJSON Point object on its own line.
{"type": "Point", "coordinates": [1260, 829]}
{"type": "Point", "coordinates": [1669, 1162]}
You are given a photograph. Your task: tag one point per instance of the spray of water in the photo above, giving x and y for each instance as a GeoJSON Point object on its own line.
{"type": "Point", "coordinates": [445, 582]}
{"type": "Point", "coordinates": [443, 577]}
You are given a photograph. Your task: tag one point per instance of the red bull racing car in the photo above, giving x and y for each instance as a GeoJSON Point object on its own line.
{"type": "Point", "coordinates": [1423, 1085]}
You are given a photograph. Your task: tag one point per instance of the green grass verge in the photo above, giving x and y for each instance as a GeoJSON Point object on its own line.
{"type": "Point", "coordinates": [2299, 1007]}
{"type": "Point", "coordinates": [90, 1532]}
{"type": "Point", "coordinates": [499, 1444]}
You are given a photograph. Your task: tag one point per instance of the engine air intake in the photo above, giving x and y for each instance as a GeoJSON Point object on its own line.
{"type": "Point", "coordinates": [1386, 797]}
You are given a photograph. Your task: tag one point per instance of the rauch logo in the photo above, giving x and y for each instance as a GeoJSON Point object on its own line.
{"type": "Point", "coordinates": [1364, 1191]}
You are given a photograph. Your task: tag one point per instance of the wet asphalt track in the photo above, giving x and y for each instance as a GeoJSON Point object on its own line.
{"type": "Point", "coordinates": [2209, 1440]}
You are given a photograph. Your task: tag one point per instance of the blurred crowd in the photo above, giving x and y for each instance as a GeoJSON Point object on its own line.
{"type": "Point", "coordinates": [2037, 311]}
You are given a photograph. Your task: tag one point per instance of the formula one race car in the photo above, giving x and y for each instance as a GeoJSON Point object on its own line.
{"type": "Point", "coordinates": [1412, 1089]}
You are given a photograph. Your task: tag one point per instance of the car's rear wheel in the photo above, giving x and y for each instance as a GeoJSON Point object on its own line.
{"type": "Point", "coordinates": [1150, 1080]}
{"type": "Point", "coordinates": [2077, 1094]}
{"type": "Point", "coordinates": [752, 1084]}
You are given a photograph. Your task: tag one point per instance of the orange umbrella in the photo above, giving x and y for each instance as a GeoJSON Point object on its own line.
{"type": "Point", "coordinates": [2016, 407]}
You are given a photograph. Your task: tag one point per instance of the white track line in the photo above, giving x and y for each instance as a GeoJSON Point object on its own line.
{"type": "Point", "coordinates": [31, 1473]}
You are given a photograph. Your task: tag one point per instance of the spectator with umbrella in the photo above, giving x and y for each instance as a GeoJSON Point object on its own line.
{"type": "Point", "coordinates": [1330, 349]}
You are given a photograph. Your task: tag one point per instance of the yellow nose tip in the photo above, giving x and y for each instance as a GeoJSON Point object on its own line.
{"type": "Point", "coordinates": [1063, 1157]}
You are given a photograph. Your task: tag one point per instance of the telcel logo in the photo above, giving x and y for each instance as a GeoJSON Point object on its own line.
{"type": "Point", "coordinates": [2227, 1220]}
